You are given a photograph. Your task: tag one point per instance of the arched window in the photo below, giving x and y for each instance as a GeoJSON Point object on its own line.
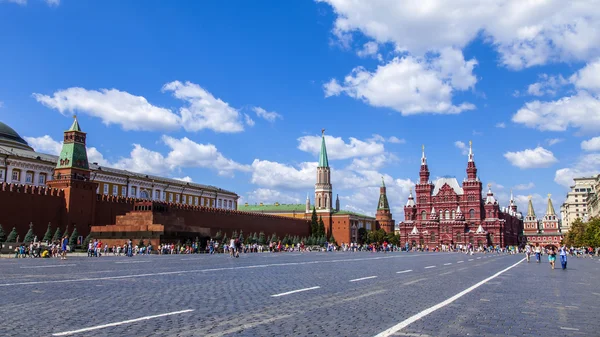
{"type": "Point", "coordinates": [432, 239]}
{"type": "Point", "coordinates": [423, 215]}
{"type": "Point", "coordinates": [319, 202]}
{"type": "Point", "coordinates": [447, 215]}
{"type": "Point", "coordinates": [471, 213]}
{"type": "Point", "coordinates": [144, 194]}
{"type": "Point", "coordinates": [445, 198]}
{"type": "Point", "coordinates": [458, 237]}
{"type": "Point", "coordinates": [453, 214]}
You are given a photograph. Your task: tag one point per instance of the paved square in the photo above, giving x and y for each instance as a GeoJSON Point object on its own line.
{"type": "Point", "coordinates": [299, 294]}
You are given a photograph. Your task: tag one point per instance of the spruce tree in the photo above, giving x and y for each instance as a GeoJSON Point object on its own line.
{"type": "Point", "coordinates": [321, 231]}
{"type": "Point", "coordinates": [141, 243]}
{"type": "Point", "coordinates": [87, 240]}
{"type": "Point", "coordinates": [225, 240]}
{"type": "Point", "coordinates": [314, 223]}
{"type": "Point", "coordinates": [255, 238]}
{"type": "Point", "coordinates": [73, 238]}
{"type": "Point", "coordinates": [2, 234]}
{"type": "Point", "coordinates": [57, 235]}
{"type": "Point", "coordinates": [234, 235]}
{"type": "Point", "coordinates": [29, 236]}
{"type": "Point", "coordinates": [241, 237]}
{"type": "Point", "coordinates": [12, 236]}
{"type": "Point", "coordinates": [48, 235]}
{"type": "Point", "coordinates": [273, 237]}
{"type": "Point", "coordinates": [261, 238]}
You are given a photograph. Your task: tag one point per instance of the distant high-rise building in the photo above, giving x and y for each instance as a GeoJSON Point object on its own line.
{"type": "Point", "coordinates": [576, 205]}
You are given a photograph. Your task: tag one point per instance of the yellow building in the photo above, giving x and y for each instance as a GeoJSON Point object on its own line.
{"type": "Point", "coordinates": [20, 164]}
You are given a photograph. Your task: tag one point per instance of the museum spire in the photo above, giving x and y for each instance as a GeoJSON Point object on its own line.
{"type": "Point", "coordinates": [323, 161]}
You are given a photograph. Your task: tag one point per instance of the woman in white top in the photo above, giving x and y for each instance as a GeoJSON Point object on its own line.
{"type": "Point", "coordinates": [538, 252]}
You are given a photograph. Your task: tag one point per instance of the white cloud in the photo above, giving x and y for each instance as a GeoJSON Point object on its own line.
{"type": "Point", "coordinates": [501, 125]}
{"type": "Point", "coordinates": [269, 116]}
{"type": "Point", "coordinates": [53, 2]}
{"type": "Point", "coordinates": [396, 140]}
{"type": "Point", "coordinates": [338, 149]}
{"type": "Point", "coordinates": [249, 121]}
{"type": "Point", "coordinates": [581, 111]}
{"type": "Point", "coordinates": [276, 175]}
{"type": "Point", "coordinates": [44, 144]}
{"type": "Point", "coordinates": [269, 196]}
{"type": "Point", "coordinates": [18, 2]}
{"type": "Point", "coordinates": [592, 144]}
{"type": "Point", "coordinates": [547, 85]}
{"type": "Point", "coordinates": [539, 204]}
{"type": "Point", "coordinates": [523, 187]}
{"type": "Point", "coordinates": [204, 111]}
{"type": "Point", "coordinates": [464, 150]}
{"type": "Point", "coordinates": [186, 179]}
{"type": "Point", "coordinates": [142, 160]}
{"type": "Point", "coordinates": [587, 166]}
{"type": "Point", "coordinates": [531, 158]}
{"type": "Point", "coordinates": [112, 107]}
{"type": "Point", "coordinates": [373, 163]}
{"type": "Point", "coordinates": [525, 33]}
{"type": "Point", "coordinates": [187, 153]}
{"type": "Point", "coordinates": [554, 141]}
{"type": "Point", "coordinates": [588, 77]}
{"type": "Point", "coordinates": [369, 49]}
{"type": "Point", "coordinates": [411, 85]}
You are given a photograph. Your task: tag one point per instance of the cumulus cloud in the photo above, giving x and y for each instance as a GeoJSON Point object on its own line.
{"type": "Point", "coordinates": [396, 140]}
{"type": "Point", "coordinates": [586, 166]}
{"type": "Point", "coordinates": [592, 144]}
{"type": "Point", "coordinates": [201, 111]}
{"type": "Point", "coordinates": [46, 144]}
{"type": "Point", "coordinates": [270, 116]}
{"type": "Point", "coordinates": [531, 158]}
{"type": "Point", "coordinates": [580, 111]}
{"type": "Point", "coordinates": [277, 175]}
{"type": "Point", "coordinates": [249, 121]}
{"type": "Point", "coordinates": [554, 141]}
{"type": "Point", "coordinates": [464, 150]}
{"type": "Point", "coordinates": [337, 148]}
{"type": "Point", "coordinates": [186, 179]}
{"type": "Point", "coordinates": [411, 85]}
{"type": "Point", "coordinates": [588, 77]}
{"type": "Point", "coordinates": [547, 85]}
{"type": "Point", "coordinates": [269, 196]}
{"type": "Point", "coordinates": [369, 49]}
{"type": "Point", "coordinates": [530, 32]}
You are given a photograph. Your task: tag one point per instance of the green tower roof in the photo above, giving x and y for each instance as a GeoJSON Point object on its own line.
{"type": "Point", "coordinates": [75, 126]}
{"type": "Point", "coordinates": [323, 162]}
{"type": "Point", "coordinates": [73, 153]}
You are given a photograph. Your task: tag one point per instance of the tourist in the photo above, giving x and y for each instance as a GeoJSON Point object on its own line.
{"type": "Point", "coordinates": [63, 245]}
{"type": "Point", "coordinates": [563, 256]}
{"type": "Point", "coordinates": [552, 256]}
{"type": "Point", "coordinates": [538, 252]}
{"type": "Point", "coordinates": [528, 252]}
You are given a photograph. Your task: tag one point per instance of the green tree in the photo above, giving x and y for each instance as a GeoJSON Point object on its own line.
{"type": "Point", "coordinates": [296, 240]}
{"type": "Point", "coordinates": [362, 235]}
{"type": "Point", "coordinates": [241, 237]}
{"type": "Point", "coordinates": [218, 236]}
{"type": "Point", "coordinates": [225, 239]}
{"type": "Point", "coordinates": [73, 238]}
{"type": "Point", "coordinates": [332, 240]}
{"type": "Point", "coordinates": [2, 234]}
{"type": "Point", "coordinates": [321, 231]}
{"type": "Point", "coordinates": [12, 236]}
{"type": "Point", "coordinates": [255, 238]}
{"type": "Point", "coordinates": [575, 235]}
{"type": "Point", "coordinates": [141, 243]}
{"type": "Point", "coordinates": [87, 240]}
{"type": "Point", "coordinates": [57, 235]}
{"type": "Point", "coordinates": [314, 223]}
{"type": "Point", "coordinates": [261, 238]}
{"type": "Point", "coordinates": [234, 235]}
{"type": "Point", "coordinates": [273, 238]}
{"type": "Point", "coordinates": [48, 235]}
{"type": "Point", "coordinates": [592, 233]}
{"type": "Point", "coordinates": [29, 236]}
{"type": "Point", "coordinates": [66, 233]}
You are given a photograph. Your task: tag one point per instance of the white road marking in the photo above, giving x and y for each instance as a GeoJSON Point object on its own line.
{"type": "Point", "coordinates": [570, 329]}
{"type": "Point", "coordinates": [429, 267]}
{"type": "Point", "coordinates": [133, 262]}
{"type": "Point", "coordinates": [415, 281]}
{"type": "Point", "coordinates": [363, 278]}
{"type": "Point", "coordinates": [478, 258]}
{"type": "Point", "coordinates": [50, 266]}
{"type": "Point", "coordinates": [404, 271]}
{"type": "Point", "coordinates": [97, 327]}
{"type": "Point", "coordinates": [295, 291]}
{"type": "Point", "coordinates": [460, 261]}
{"type": "Point", "coordinates": [205, 270]}
{"type": "Point", "coordinates": [470, 259]}
{"type": "Point", "coordinates": [414, 318]}
{"type": "Point", "coordinates": [447, 264]}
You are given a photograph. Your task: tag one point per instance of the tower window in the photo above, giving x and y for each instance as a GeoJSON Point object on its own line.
{"type": "Point", "coordinates": [471, 213]}
{"type": "Point", "coordinates": [447, 215]}
{"type": "Point", "coordinates": [423, 215]}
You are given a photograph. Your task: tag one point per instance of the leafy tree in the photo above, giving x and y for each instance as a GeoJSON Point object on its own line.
{"type": "Point", "coordinates": [218, 236]}
{"type": "Point", "coordinates": [2, 234]}
{"type": "Point", "coordinates": [12, 236]}
{"type": "Point", "coordinates": [362, 235]}
{"type": "Point", "coordinates": [29, 236]}
{"type": "Point", "coordinates": [87, 240]}
{"type": "Point", "coordinates": [262, 239]}
{"type": "Point", "coordinates": [48, 235]}
{"type": "Point", "coordinates": [57, 235]}
{"type": "Point", "coordinates": [314, 223]}
{"type": "Point", "coordinates": [575, 236]}
{"type": "Point", "coordinates": [321, 231]}
{"type": "Point", "coordinates": [592, 233]}
{"type": "Point", "coordinates": [73, 238]}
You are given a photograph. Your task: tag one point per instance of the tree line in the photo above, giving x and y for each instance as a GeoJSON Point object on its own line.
{"type": "Point", "coordinates": [584, 234]}
{"type": "Point", "coordinates": [50, 235]}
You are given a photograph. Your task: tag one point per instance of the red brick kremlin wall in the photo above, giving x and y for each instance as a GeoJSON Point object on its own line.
{"type": "Point", "coordinates": [24, 204]}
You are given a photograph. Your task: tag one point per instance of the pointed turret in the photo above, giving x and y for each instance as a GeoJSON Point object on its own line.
{"type": "Point", "coordinates": [550, 207]}
{"type": "Point", "coordinates": [383, 215]}
{"type": "Point", "coordinates": [424, 172]}
{"type": "Point", "coordinates": [490, 199]}
{"type": "Point", "coordinates": [323, 161]}
{"type": "Point", "coordinates": [74, 154]}
{"type": "Point", "coordinates": [414, 231]}
{"type": "Point", "coordinates": [471, 168]}
{"type": "Point", "coordinates": [307, 203]}
{"type": "Point", "coordinates": [433, 215]}
{"type": "Point", "coordinates": [550, 222]}
{"type": "Point", "coordinates": [513, 204]}
{"type": "Point", "coordinates": [459, 215]}
{"type": "Point", "coordinates": [530, 210]}
{"type": "Point", "coordinates": [383, 201]}
{"type": "Point", "coordinates": [411, 200]}
{"type": "Point", "coordinates": [337, 202]}
{"type": "Point", "coordinates": [75, 125]}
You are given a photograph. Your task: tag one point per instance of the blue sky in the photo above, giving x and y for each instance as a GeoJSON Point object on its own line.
{"type": "Point", "coordinates": [235, 93]}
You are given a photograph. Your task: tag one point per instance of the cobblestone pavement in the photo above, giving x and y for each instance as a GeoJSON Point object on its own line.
{"type": "Point", "coordinates": [293, 294]}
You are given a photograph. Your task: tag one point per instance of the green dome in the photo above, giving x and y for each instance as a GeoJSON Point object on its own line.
{"type": "Point", "coordinates": [9, 135]}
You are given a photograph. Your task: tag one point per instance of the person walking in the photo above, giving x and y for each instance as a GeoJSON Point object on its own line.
{"type": "Point", "coordinates": [563, 256]}
{"type": "Point", "coordinates": [538, 252]}
{"type": "Point", "coordinates": [528, 252]}
{"type": "Point", "coordinates": [552, 256]}
{"type": "Point", "coordinates": [63, 246]}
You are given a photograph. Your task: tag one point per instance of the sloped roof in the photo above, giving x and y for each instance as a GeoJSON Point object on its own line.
{"type": "Point", "coordinates": [452, 182]}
